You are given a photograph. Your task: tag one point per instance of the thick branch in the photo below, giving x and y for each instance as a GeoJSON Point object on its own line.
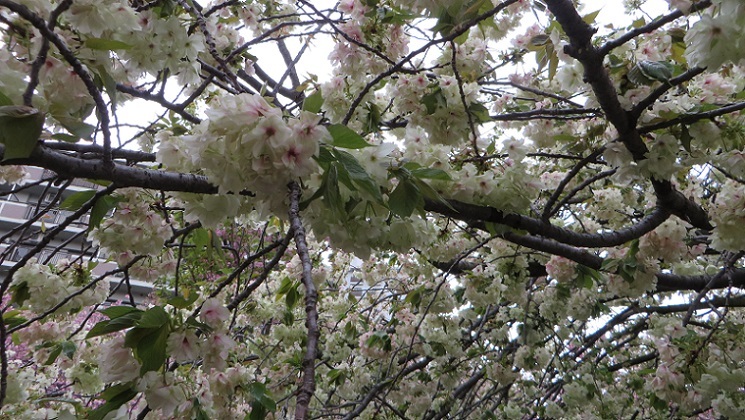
{"type": "Point", "coordinates": [692, 118]}
{"type": "Point", "coordinates": [474, 213]}
{"type": "Point", "coordinates": [581, 48]}
{"type": "Point", "coordinates": [121, 175]}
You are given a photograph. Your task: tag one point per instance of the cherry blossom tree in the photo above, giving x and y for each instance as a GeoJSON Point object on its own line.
{"type": "Point", "coordinates": [375, 209]}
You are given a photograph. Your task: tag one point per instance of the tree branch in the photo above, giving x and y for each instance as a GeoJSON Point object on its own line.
{"type": "Point", "coordinates": [308, 386]}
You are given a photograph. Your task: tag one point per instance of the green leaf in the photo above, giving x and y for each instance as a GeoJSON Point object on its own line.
{"type": "Point", "coordinates": [292, 297]}
{"type": "Point", "coordinates": [191, 321]}
{"type": "Point", "coordinates": [4, 100]}
{"type": "Point", "coordinates": [288, 318]}
{"type": "Point", "coordinates": [115, 397]}
{"type": "Point", "coordinates": [462, 38]}
{"type": "Point", "coordinates": [445, 23]}
{"type": "Point", "coordinates": [259, 393]}
{"type": "Point", "coordinates": [21, 293]}
{"type": "Point", "coordinates": [480, 112]}
{"type": "Point", "coordinates": [154, 317]}
{"type": "Point", "coordinates": [637, 77]}
{"type": "Point", "coordinates": [101, 208]}
{"type": "Point", "coordinates": [434, 100]}
{"type": "Point", "coordinates": [53, 355]}
{"type": "Point", "coordinates": [396, 16]}
{"type": "Point", "coordinates": [106, 44]}
{"type": "Point", "coordinates": [65, 137]}
{"type": "Point", "coordinates": [151, 349]}
{"type": "Point", "coordinates": [109, 84]}
{"type": "Point", "coordinates": [324, 157]}
{"type": "Point", "coordinates": [380, 339]}
{"type": "Point", "coordinates": [496, 229]}
{"type": "Point", "coordinates": [332, 195]}
{"type": "Point", "coordinates": [431, 173]}
{"type": "Point", "coordinates": [200, 413]}
{"type": "Point", "coordinates": [182, 302]}
{"type": "Point", "coordinates": [66, 347]}
{"type": "Point", "coordinates": [347, 138]}
{"type": "Point", "coordinates": [429, 192]}
{"type": "Point", "coordinates": [405, 199]}
{"type": "Point", "coordinates": [20, 128]}
{"type": "Point", "coordinates": [118, 311]}
{"type": "Point", "coordinates": [414, 297]}
{"type": "Point", "coordinates": [201, 238]}
{"type": "Point", "coordinates": [76, 127]}
{"type": "Point", "coordinates": [75, 201]}
{"type": "Point", "coordinates": [538, 42]}
{"type": "Point", "coordinates": [373, 118]}
{"type": "Point", "coordinates": [344, 178]}
{"type": "Point", "coordinates": [12, 318]}
{"type": "Point", "coordinates": [261, 402]}
{"type": "Point", "coordinates": [113, 325]}
{"type": "Point", "coordinates": [656, 70]}
{"type": "Point", "coordinates": [358, 174]}
{"type": "Point", "coordinates": [553, 65]}
{"type": "Point", "coordinates": [685, 138]}
{"type": "Point", "coordinates": [337, 376]}
{"type": "Point", "coordinates": [590, 17]}
{"type": "Point", "coordinates": [284, 287]}
{"type": "Point", "coordinates": [633, 250]}
{"type": "Point", "coordinates": [313, 102]}
{"type": "Point", "coordinates": [18, 111]}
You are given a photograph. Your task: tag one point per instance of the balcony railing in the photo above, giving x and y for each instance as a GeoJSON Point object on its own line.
{"type": "Point", "coordinates": [46, 253]}
{"type": "Point", "coordinates": [57, 216]}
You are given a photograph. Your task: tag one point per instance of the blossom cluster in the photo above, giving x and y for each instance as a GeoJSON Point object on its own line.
{"type": "Point", "coordinates": [718, 36]}
{"type": "Point", "coordinates": [42, 287]}
{"type": "Point", "coordinates": [246, 145]}
{"type": "Point", "coordinates": [133, 230]}
{"type": "Point", "coordinates": [728, 214]}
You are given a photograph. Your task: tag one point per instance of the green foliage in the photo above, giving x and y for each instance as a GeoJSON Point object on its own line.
{"type": "Point", "coordinates": [381, 340]}
{"type": "Point", "coordinates": [20, 128]}
{"type": "Point", "coordinates": [183, 301]}
{"type": "Point", "coordinates": [347, 138]}
{"type": "Point", "coordinates": [101, 208]}
{"type": "Point", "coordinates": [77, 129]}
{"type": "Point", "coordinates": [647, 72]}
{"type": "Point", "coordinates": [120, 318]}
{"type": "Point", "coordinates": [457, 13]}
{"type": "Point", "coordinates": [64, 347]}
{"type": "Point", "coordinates": [4, 100]}
{"type": "Point", "coordinates": [627, 266]}
{"type": "Point", "coordinates": [20, 292]}
{"type": "Point", "coordinates": [262, 402]}
{"type": "Point", "coordinates": [148, 339]}
{"type": "Point", "coordinates": [357, 174]}
{"type": "Point", "coordinates": [411, 190]}
{"type": "Point", "coordinates": [76, 200]}
{"type": "Point", "coordinates": [115, 396]}
{"type": "Point", "coordinates": [313, 102]}
{"type": "Point", "coordinates": [405, 198]}
{"type": "Point", "coordinates": [290, 291]}
{"type": "Point", "coordinates": [12, 319]}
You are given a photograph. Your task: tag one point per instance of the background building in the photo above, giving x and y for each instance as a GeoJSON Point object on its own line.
{"type": "Point", "coordinates": [28, 212]}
